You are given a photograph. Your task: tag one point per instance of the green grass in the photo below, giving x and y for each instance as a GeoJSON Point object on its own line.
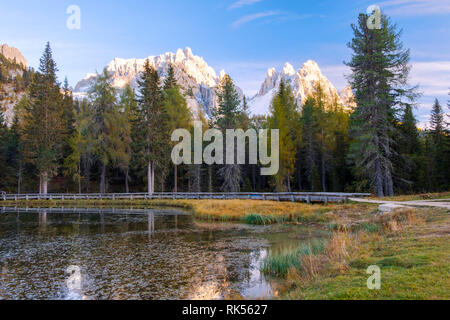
{"type": "Point", "coordinates": [258, 219]}
{"type": "Point", "coordinates": [371, 227]}
{"type": "Point", "coordinates": [414, 262]}
{"type": "Point", "coordinates": [261, 219]}
{"type": "Point", "coordinates": [279, 263]}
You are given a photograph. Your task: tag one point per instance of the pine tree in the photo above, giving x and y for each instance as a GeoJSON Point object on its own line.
{"type": "Point", "coordinates": [152, 132]}
{"type": "Point", "coordinates": [4, 135]}
{"type": "Point", "coordinates": [284, 117]}
{"type": "Point", "coordinates": [337, 145]}
{"type": "Point", "coordinates": [439, 146]}
{"type": "Point", "coordinates": [308, 142]}
{"type": "Point", "coordinates": [72, 163]}
{"type": "Point", "coordinates": [69, 121]}
{"type": "Point", "coordinates": [409, 151]}
{"type": "Point", "coordinates": [128, 113]}
{"type": "Point", "coordinates": [170, 81]}
{"type": "Point", "coordinates": [15, 152]}
{"type": "Point", "coordinates": [379, 77]}
{"type": "Point", "coordinates": [227, 116]}
{"type": "Point", "coordinates": [178, 113]}
{"type": "Point", "coordinates": [103, 123]}
{"type": "Point", "coordinates": [44, 124]}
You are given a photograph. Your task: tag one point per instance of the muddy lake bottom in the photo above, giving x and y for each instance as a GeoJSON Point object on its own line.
{"type": "Point", "coordinates": [159, 254]}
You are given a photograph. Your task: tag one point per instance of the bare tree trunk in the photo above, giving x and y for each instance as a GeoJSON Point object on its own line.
{"type": "Point", "coordinates": [44, 183]}
{"type": "Point", "coordinates": [379, 178]}
{"type": "Point", "coordinates": [40, 184]}
{"type": "Point", "coordinates": [149, 177]}
{"type": "Point", "coordinates": [79, 177]}
{"type": "Point", "coordinates": [103, 179]}
{"type": "Point", "coordinates": [324, 183]}
{"type": "Point", "coordinates": [253, 177]}
{"type": "Point", "coordinates": [175, 174]}
{"type": "Point", "coordinates": [19, 179]}
{"type": "Point", "coordinates": [196, 178]}
{"type": "Point", "coordinates": [153, 179]}
{"type": "Point", "coordinates": [210, 185]}
{"type": "Point", "coordinates": [299, 177]}
{"type": "Point", "coordinates": [389, 184]}
{"type": "Point", "coordinates": [127, 188]}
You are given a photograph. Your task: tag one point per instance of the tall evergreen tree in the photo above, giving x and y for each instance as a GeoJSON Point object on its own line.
{"type": "Point", "coordinates": [103, 123]}
{"type": "Point", "coordinates": [308, 125]}
{"type": "Point", "coordinates": [151, 131]}
{"type": "Point", "coordinates": [128, 113]}
{"type": "Point", "coordinates": [4, 135]}
{"type": "Point", "coordinates": [178, 113]}
{"type": "Point", "coordinates": [379, 76]}
{"type": "Point", "coordinates": [227, 116]}
{"type": "Point", "coordinates": [409, 152]}
{"type": "Point", "coordinates": [284, 117]}
{"type": "Point", "coordinates": [170, 81]}
{"type": "Point", "coordinates": [440, 147]}
{"type": "Point", "coordinates": [44, 123]}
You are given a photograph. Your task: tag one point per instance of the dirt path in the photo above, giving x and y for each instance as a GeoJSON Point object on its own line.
{"type": "Point", "coordinates": [415, 203]}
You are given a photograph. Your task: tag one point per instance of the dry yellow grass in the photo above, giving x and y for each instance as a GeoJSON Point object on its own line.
{"type": "Point", "coordinates": [237, 209]}
{"type": "Point", "coordinates": [224, 210]}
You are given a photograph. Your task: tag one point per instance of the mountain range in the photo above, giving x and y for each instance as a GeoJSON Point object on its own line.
{"type": "Point", "coordinates": [199, 81]}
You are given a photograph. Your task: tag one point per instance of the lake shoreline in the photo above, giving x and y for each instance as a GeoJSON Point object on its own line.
{"type": "Point", "coordinates": [409, 245]}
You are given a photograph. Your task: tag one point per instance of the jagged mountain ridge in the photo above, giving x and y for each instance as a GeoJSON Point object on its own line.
{"type": "Point", "coordinates": [303, 82]}
{"type": "Point", "coordinates": [195, 77]}
{"type": "Point", "coordinates": [199, 81]}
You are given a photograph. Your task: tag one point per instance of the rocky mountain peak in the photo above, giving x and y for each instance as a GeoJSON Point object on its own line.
{"type": "Point", "coordinates": [309, 67]}
{"type": "Point", "coordinates": [222, 74]}
{"type": "Point", "coordinates": [303, 83]}
{"type": "Point", "coordinates": [348, 98]}
{"type": "Point", "coordinates": [195, 77]}
{"type": "Point", "coordinates": [12, 53]}
{"type": "Point", "coordinates": [288, 69]}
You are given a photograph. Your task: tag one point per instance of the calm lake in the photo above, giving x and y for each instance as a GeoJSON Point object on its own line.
{"type": "Point", "coordinates": [135, 254]}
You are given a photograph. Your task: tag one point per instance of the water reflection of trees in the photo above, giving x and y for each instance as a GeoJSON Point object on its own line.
{"type": "Point", "coordinates": [133, 256]}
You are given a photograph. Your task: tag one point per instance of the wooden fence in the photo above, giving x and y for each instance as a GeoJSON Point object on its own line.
{"type": "Point", "coordinates": [307, 197]}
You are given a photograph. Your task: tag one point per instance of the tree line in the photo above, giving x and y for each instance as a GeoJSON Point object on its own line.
{"type": "Point", "coordinates": [120, 141]}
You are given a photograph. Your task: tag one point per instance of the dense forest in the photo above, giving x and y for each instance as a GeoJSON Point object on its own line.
{"type": "Point", "coordinates": [121, 141]}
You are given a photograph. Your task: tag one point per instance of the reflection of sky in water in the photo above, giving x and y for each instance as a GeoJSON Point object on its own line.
{"type": "Point", "coordinates": [257, 286]}
{"type": "Point", "coordinates": [143, 255]}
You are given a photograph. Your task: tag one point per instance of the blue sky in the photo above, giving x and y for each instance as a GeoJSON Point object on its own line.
{"type": "Point", "coordinates": [244, 37]}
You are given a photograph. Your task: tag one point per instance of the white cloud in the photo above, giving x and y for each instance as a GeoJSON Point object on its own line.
{"type": "Point", "coordinates": [336, 74]}
{"type": "Point", "coordinates": [415, 7]}
{"type": "Point", "coordinates": [242, 3]}
{"type": "Point", "coordinates": [246, 19]}
{"type": "Point", "coordinates": [432, 77]}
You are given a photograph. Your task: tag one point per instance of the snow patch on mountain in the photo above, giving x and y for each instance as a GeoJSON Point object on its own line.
{"type": "Point", "coordinates": [195, 77]}
{"type": "Point", "coordinates": [303, 83]}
